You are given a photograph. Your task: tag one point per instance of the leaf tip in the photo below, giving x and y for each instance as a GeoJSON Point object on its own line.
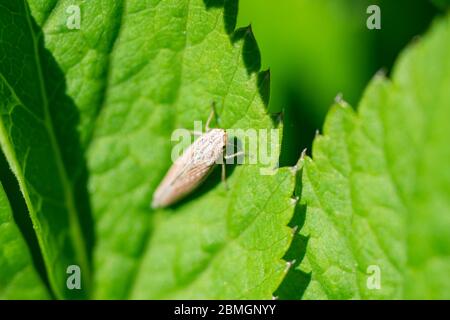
{"type": "Point", "coordinates": [381, 73]}
{"type": "Point", "coordinates": [277, 118]}
{"type": "Point", "coordinates": [317, 133]}
{"type": "Point", "coordinates": [280, 118]}
{"type": "Point", "coordinates": [249, 29]}
{"type": "Point", "coordinates": [339, 100]}
{"type": "Point", "coordinates": [297, 167]}
{"type": "Point", "coordinates": [303, 154]}
{"type": "Point", "coordinates": [289, 264]}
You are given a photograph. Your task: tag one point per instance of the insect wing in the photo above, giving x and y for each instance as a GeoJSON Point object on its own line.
{"type": "Point", "coordinates": [190, 169]}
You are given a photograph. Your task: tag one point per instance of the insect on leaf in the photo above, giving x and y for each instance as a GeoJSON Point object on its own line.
{"type": "Point", "coordinates": [134, 80]}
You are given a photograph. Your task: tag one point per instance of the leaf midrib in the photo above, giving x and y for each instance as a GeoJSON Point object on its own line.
{"type": "Point", "coordinates": [75, 226]}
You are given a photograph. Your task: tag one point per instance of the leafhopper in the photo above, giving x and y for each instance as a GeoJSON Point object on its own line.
{"type": "Point", "coordinates": [193, 166]}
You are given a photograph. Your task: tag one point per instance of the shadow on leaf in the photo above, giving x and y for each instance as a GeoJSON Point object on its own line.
{"type": "Point", "coordinates": [44, 104]}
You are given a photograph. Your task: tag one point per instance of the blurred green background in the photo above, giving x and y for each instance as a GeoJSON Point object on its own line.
{"type": "Point", "coordinates": [317, 49]}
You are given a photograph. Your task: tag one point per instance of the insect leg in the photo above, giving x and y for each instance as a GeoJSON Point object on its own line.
{"type": "Point", "coordinates": [211, 115]}
{"type": "Point", "coordinates": [224, 176]}
{"type": "Point", "coordinates": [234, 155]}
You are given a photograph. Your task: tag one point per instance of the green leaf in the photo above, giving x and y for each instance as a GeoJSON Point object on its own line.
{"type": "Point", "coordinates": [189, 251]}
{"type": "Point", "coordinates": [377, 190]}
{"type": "Point", "coordinates": [38, 137]}
{"type": "Point", "coordinates": [18, 278]}
{"type": "Point", "coordinates": [135, 71]}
